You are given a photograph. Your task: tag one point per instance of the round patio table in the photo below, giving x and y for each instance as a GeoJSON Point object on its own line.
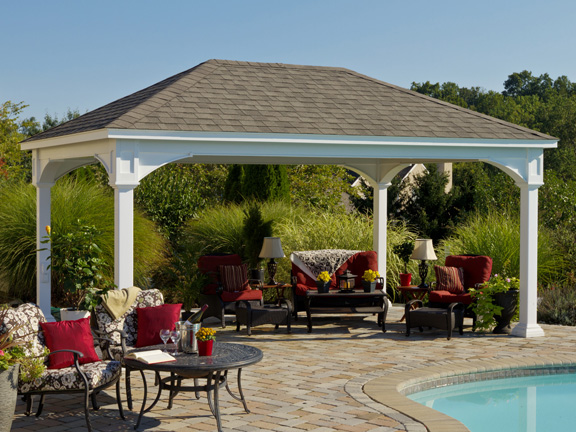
{"type": "Point", "coordinates": [214, 368]}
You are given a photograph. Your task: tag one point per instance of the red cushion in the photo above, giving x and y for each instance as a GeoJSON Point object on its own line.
{"type": "Point", "coordinates": [208, 264]}
{"type": "Point", "coordinates": [449, 279]}
{"type": "Point", "coordinates": [75, 335]}
{"type": "Point", "coordinates": [249, 294]}
{"type": "Point", "coordinates": [358, 264]}
{"type": "Point", "coordinates": [447, 297]}
{"type": "Point", "coordinates": [234, 277]}
{"type": "Point", "coordinates": [153, 319]}
{"type": "Point", "coordinates": [477, 269]}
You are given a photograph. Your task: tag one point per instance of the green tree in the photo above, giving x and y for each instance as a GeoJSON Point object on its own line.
{"type": "Point", "coordinates": [233, 185]}
{"type": "Point", "coordinates": [265, 183]}
{"type": "Point", "coordinates": [14, 163]}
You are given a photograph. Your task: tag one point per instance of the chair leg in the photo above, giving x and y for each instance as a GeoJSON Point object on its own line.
{"type": "Point", "coordinates": [119, 400]}
{"type": "Point", "coordinates": [222, 319]}
{"type": "Point", "coordinates": [40, 406]}
{"type": "Point", "coordinates": [128, 390]}
{"type": "Point", "coordinates": [95, 405]}
{"type": "Point", "coordinates": [28, 400]}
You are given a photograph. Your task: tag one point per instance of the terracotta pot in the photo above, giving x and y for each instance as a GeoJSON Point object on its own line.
{"type": "Point", "coordinates": [205, 347]}
{"type": "Point", "coordinates": [405, 279]}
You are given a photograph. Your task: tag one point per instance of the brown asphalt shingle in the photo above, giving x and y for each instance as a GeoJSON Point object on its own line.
{"type": "Point", "coordinates": [231, 96]}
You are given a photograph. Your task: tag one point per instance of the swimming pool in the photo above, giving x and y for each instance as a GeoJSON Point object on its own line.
{"type": "Point", "coordinates": [530, 403]}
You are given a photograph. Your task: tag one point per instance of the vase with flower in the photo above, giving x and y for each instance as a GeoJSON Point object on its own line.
{"type": "Point", "coordinates": [205, 338]}
{"type": "Point", "coordinates": [323, 282]}
{"type": "Point", "coordinates": [370, 280]}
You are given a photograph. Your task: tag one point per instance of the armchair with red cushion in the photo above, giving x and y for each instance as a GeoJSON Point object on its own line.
{"type": "Point", "coordinates": [453, 285]}
{"type": "Point", "coordinates": [227, 283]}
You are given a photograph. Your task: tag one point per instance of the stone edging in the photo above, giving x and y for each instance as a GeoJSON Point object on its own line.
{"type": "Point", "coordinates": [388, 390]}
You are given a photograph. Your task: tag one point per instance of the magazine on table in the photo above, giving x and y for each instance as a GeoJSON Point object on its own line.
{"type": "Point", "coordinates": [151, 357]}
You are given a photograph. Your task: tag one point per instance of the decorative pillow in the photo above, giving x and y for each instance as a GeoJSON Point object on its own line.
{"type": "Point", "coordinates": [449, 279]}
{"type": "Point", "coordinates": [75, 335]}
{"type": "Point", "coordinates": [234, 277]}
{"type": "Point", "coordinates": [153, 319]}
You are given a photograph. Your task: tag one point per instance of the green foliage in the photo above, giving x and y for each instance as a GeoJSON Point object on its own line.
{"type": "Point", "coordinates": [497, 235]}
{"type": "Point", "coordinates": [77, 266]}
{"type": "Point", "coordinates": [404, 251]}
{"type": "Point", "coordinates": [484, 305]}
{"type": "Point", "coordinates": [254, 230]}
{"type": "Point", "coordinates": [71, 200]}
{"type": "Point", "coordinates": [14, 163]}
{"type": "Point", "coordinates": [233, 185]}
{"type": "Point", "coordinates": [264, 183]}
{"type": "Point", "coordinates": [557, 305]}
{"type": "Point", "coordinates": [175, 193]}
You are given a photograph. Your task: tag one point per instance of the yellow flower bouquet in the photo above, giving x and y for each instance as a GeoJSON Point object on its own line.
{"type": "Point", "coordinates": [206, 334]}
{"type": "Point", "coordinates": [323, 277]}
{"type": "Point", "coordinates": [370, 275]}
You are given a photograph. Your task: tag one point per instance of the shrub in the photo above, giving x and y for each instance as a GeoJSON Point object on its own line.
{"type": "Point", "coordinates": [71, 200]}
{"type": "Point", "coordinates": [557, 305]}
{"type": "Point", "coordinates": [497, 235]}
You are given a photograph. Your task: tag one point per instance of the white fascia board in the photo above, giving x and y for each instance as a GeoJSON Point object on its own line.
{"type": "Point", "coordinates": [66, 140]}
{"type": "Point", "coordinates": [229, 137]}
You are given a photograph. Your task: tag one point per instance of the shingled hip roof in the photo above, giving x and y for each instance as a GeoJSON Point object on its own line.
{"type": "Point", "coordinates": [243, 97]}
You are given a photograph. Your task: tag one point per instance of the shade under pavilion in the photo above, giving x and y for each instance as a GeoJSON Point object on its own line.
{"type": "Point", "coordinates": [268, 113]}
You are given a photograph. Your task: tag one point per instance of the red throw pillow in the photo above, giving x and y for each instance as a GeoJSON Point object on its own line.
{"type": "Point", "coordinates": [449, 279]}
{"type": "Point", "coordinates": [153, 319]}
{"type": "Point", "coordinates": [75, 335]}
{"type": "Point", "coordinates": [235, 277]}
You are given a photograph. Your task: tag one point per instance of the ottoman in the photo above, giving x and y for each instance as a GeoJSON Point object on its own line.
{"type": "Point", "coordinates": [252, 315]}
{"type": "Point", "coordinates": [440, 318]}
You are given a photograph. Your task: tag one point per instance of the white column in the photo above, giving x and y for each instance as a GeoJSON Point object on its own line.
{"type": "Point", "coordinates": [124, 236]}
{"type": "Point", "coordinates": [380, 211]}
{"type": "Point", "coordinates": [528, 325]}
{"type": "Point", "coordinates": [43, 276]}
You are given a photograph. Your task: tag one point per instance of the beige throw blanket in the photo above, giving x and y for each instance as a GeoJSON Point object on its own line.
{"type": "Point", "coordinates": [117, 302]}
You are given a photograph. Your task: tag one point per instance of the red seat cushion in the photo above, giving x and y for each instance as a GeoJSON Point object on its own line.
{"type": "Point", "coordinates": [358, 264]}
{"type": "Point", "coordinates": [153, 319]}
{"type": "Point", "coordinates": [477, 269]}
{"type": "Point", "coordinates": [234, 277]}
{"type": "Point", "coordinates": [209, 264]}
{"type": "Point", "coordinates": [447, 297]}
{"type": "Point", "coordinates": [449, 279]}
{"type": "Point", "coordinates": [74, 335]}
{"type": "Point", "coordinates": [249, 294]}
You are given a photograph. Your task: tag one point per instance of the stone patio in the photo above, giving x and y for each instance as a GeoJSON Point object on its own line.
{"type": "Point", "coordinates": [311, 382]}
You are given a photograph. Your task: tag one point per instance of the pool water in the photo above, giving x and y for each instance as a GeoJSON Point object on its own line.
{"type": "Point", "coordinates": [523, 404]}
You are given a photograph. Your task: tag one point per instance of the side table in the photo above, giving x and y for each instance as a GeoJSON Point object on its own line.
{"type": "Point", "coordinates": [412, 292]}
{"type": "Point", "coordinates": [279, 287]}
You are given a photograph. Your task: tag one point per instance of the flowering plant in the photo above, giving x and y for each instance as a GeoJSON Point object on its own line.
{"type": "Point", "coordinates": [370, 275]}
{"type": "Point", "coordinates": [483, 296]}
{"type": "Point", "coordinates": [323, 276]}
{"type": "Point", "coordinates": [206, 334]}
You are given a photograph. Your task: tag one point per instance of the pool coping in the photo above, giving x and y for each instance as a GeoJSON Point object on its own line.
{"type": "Point", "coordinates": [390, 389]}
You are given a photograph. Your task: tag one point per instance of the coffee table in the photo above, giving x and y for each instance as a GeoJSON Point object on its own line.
{"type": "Point", "coordinates": [337, 302]}
{"type": "Point", "coordinates": [225, 357]}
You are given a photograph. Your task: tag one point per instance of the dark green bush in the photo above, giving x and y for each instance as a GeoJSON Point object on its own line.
{"type": "Point", "coordinates": [557, 305]}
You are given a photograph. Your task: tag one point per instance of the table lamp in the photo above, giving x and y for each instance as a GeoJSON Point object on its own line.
{"type": "Point", "coordinates": [424, 251]}
{"type": "Point", "coordinates": [272, 248]}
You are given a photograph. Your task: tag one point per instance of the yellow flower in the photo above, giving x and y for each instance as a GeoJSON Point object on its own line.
{"type": "Point", "coordinates": [205, 334]}
{"type": "Point", "coordinates": [48, 229]}
{"type": "Point", "coordinates": [370, 275]}
{"type": "Point", "coordinates": [324, 276]}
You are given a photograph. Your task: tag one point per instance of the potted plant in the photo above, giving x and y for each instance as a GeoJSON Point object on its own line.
{"type": "Point", "coordinates": [496, 303]}
{"type": "Point", "coordinates": [77, 269]}
{"type": "Point", "coordinates": [403, 251]}
{"type": "Point", "coordinates": [254, 231]}
{"type": "Point", "coordinates": [205, 338]}
{"type": "Point", "coordinates": [15, 364]}
{"type": "Point", "coordinates": [370, 280]}
{"type": "Point", "coordinates": [323, 282]}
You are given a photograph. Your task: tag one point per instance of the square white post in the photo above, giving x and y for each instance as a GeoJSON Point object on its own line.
{"type": "Point", "coordinates": [124, 236]}
{"type": "Point", "coordinates": [380, 211]}
{"type": "Point", "coordinates": [43, 276]}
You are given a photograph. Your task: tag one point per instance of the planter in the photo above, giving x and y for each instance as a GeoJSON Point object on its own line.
{"type": "Point", "coordinates": [205, 347]}
{"type": "Point", "coordinates": [71, 314]}
{"type": "Point", "coordinates": [509, 302]}
{"type": "Point", "coordinates": [9, 392]}
{"type": "Point", "coordinates": [257, 274]}
{"type": "Point", "coordinates": [405, 279]}
{"type": "Point", "coordinates": [323, 287]}
{"type": "Point", "coordinates": [369, 286]}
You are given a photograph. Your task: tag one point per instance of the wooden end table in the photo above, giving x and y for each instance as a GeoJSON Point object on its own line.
{"type": "Point", "coordinates": [412, 292]}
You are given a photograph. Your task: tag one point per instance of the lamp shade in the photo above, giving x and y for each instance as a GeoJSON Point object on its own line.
{"type": "Point", "coordinates": [423, 250]}
{"type": "Point", "coordinates": [271, 248]}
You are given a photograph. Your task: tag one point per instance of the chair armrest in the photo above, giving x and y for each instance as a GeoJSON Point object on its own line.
{"type": "Point", "coordinates": [408, 306]}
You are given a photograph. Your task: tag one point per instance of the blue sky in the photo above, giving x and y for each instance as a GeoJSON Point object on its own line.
{"type": "Point", "coordinates": [78, 54]}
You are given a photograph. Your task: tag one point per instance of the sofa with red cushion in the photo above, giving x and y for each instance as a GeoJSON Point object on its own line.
{"type": "Point", "coordinates": [218, 294]}
{"type": "Point", "coordinates": [476, 270]}
{"type": "Point", "coordinates": [336, 262]}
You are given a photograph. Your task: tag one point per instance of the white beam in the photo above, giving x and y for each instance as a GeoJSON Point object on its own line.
{"type": "Point", "coordinates": [380, 211]}
{"type": "Point", "coordinates": [124, 236]}
{"type": "Point", "coordinates": [43, 282]}
{"type": "Point", "coordinates": [528, 325]}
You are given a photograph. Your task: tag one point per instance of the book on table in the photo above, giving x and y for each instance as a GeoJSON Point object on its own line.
{"type": "Point", "coordinates": [151, 357]}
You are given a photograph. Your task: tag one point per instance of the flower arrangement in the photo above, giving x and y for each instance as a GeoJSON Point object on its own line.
{"type": "Point", "coordinates": [483, 296]}
{"type": "Point", "coordinates": [324, 277]}
{"type": "Point", "coordinates": [370, 275]}
{"type": "Point", "coordinates": [206, 334]}
{"type": "Point", "coordinates": [12, 352]}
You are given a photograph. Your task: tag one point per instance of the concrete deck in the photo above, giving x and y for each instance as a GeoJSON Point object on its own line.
{"type": "Point", "coordinates": [316, 382]}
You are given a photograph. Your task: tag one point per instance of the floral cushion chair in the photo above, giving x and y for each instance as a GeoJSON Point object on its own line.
{"type": "Point", "coordinates": [75, 369]}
